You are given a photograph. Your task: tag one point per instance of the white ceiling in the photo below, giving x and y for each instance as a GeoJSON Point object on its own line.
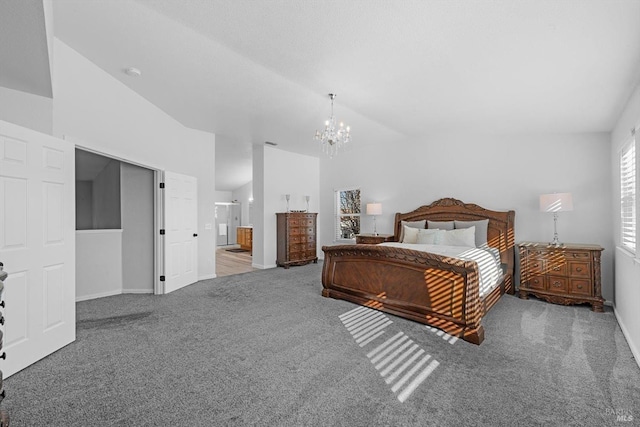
{"type": "Point", "coordinates": [254, 71]}
{"type": "Point", "coordinates": [24, 57]}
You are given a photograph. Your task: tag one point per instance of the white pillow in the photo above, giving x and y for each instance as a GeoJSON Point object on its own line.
{"type": "Point", "coordinates": [413, 224]}
{"type": "Point", "coordinates": [428, 236]}
{"type": "Point", "coordinates": [410, 234]}
{"type": "Point", "coordinates": [459, 237]}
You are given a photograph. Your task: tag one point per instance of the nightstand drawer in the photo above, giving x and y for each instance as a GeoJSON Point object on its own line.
{"type": "Point", "coordinates": [579, 269]}
{"type": "Point", "coordinates": [580, 287]}
{"type": "Point", "coordinates": [373, 239]}
{"type": "Point", "coordinates": [558, 284]}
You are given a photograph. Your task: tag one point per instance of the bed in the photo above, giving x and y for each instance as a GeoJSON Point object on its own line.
{"type": "Point", "coordinates": [437, 289]}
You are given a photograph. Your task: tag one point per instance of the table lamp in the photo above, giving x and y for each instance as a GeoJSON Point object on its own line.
{"type": "Point", "coordinates": [556, 202]}
{"type": "Point", "coordinates": [374, 209]}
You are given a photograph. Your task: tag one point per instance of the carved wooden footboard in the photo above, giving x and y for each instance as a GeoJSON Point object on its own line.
{"type": "Point", "coordinates": [428, 288]}
{"type": "Point", "coordinates": [433, 289]}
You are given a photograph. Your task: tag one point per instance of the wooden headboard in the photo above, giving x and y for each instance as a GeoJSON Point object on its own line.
{"type": "Point", "coordinates": [500, 232]}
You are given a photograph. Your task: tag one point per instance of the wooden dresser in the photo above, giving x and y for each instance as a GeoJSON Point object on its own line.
{"type": "Point", "coordinates": [296, 238]}
{"type": "Point", "coordinates": [565, 274]}
{"type": "Point", "coordinates": [244, 237]}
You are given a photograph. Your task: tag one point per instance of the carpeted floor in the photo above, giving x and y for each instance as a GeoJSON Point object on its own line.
{"type": "Point", "coordinates": [265, 348]}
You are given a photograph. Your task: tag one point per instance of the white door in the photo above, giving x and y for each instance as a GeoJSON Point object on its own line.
{"type": "Point", "coordinates": [37, 244]}
{"type": "Point", "coordinates": [181, 228]}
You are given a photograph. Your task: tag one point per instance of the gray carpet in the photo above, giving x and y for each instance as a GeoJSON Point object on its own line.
{"type": "Point", "coordinates": [265, 348]}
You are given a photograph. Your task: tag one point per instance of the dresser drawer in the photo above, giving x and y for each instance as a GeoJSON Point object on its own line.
{"type": "Point", "coordinates": [537, 266]}
{"type": "Point", "coordinates": [558, 269]}
{"type": "Point", "coordinates": [294, 222]}
{"type": "Point", "coordinates": [536, 282]}
{"type": "Point", "coordinates": [577, 255]}
{"type": "Point", "coordinates": [579, 269]}
{"type": "Point", "coordinates": [580, 287]}
{"type": "Point", "coordinates": [558, 284]}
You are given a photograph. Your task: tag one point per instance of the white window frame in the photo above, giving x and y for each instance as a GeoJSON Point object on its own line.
{"type": "Point", "coordinates": [338, 215]}
{"type": "Point", "coordinates": [628, 196]}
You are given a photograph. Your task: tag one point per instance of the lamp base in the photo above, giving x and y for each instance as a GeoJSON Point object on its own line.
{"type": "Point", "coordinates": [555, 241]}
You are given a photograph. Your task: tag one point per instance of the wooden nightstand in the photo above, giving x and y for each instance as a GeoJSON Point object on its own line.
{"type": "Point", "coordinates": [565, 274]}
{"type": "Point", "coordinates": [372, 239]}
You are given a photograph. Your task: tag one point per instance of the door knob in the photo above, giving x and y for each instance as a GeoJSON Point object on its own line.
{"type": "Point", "coordinates": [195, 234]}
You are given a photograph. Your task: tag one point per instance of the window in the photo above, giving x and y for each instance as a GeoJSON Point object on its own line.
{"type": "Point", "coordinates": [628, 196]}
{"type": "Point", "coordinates": [347, 214]}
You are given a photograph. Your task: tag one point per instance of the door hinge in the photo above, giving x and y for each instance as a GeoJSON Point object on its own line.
{"type": "Point", "coordinates": [162, 231]}
{"type": "Point", "coordinates": [162, 185]}
{"type": "Point", "coordinates": [162, 278]}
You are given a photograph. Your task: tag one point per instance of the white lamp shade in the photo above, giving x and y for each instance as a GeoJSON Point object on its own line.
{"type": "Point", "coordinates": [556, 202]}
{"type": "Point", "coordinates": [374, 209]}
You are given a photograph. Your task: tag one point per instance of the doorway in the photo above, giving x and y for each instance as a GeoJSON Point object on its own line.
{"type": "Point", "coordinates": [227, 222]}
{"type": "Point", "coordinates": [115, 212]}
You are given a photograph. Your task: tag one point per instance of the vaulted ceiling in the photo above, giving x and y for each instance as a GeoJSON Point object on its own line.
{"type": "Point", "coordinates": [254, 71]}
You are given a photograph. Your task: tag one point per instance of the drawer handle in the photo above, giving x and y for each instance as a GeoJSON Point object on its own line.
{"type": "Point", "coordinates": [579, 286]}
{"type": "Point", "coordinates": [579, 269]}
{"type": "Point", "coordinates": [536, 265]}
{"type": "Point", "coordinates": [557, 284]}
{"type": "Point", "coordinates": [575, 255]}
{"type": "Point", "coordinates": [536, 281]}
{"type": "Point", "coordinates": [556, 268]}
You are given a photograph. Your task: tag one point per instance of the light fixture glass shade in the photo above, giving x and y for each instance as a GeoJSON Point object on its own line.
{"type": "Point", "coordinates": [374, 209]}
{"type": "Point", "coordinates": [556, 202]}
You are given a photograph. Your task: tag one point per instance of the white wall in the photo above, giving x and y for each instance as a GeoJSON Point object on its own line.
{"type": "Point", "coordinates": [98, 263]}
{"type": "Point", "coordinates": [27, 110]}
{"type": "Point", "coordinates": [627, 269]}
{"type": "Point", "coordinates": [98, 112]}
{"type": "Point", "coordinates": [499, 172]}
{"type": "Point", "coordinates": [222, 196]}
{"type": "Point", "coordinates": [84, 205]}
{"type": "Point", "coordinates": [278, 173]}
{"type": "Point", "coordinates": [136, 189]}
{"type": "Point", "coordinates": [106, 197]}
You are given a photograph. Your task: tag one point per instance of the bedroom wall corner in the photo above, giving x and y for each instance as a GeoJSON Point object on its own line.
{"type": "Point", "coordinates": [627, 266]}
{"type": "Point", "coordinates": [495, 171]}
{"type": "Point", "coordinates": [276, 173]}
{"type": "Point", "coordinates": [100, 113]}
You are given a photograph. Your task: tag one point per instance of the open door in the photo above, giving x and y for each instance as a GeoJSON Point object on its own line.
{"type": "Point", "coordinates": [37, 244]}
{"type": "Point", "coordinates": [181, 231]}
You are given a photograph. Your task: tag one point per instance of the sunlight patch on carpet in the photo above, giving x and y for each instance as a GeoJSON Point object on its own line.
{"type": "Point", "coordinates": [399, 360]}
{"type": "Point", "coordinates": [442, 334]}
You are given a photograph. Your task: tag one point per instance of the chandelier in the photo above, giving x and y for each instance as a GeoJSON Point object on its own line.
{"type": "Point", "coordinates": [333, 137]}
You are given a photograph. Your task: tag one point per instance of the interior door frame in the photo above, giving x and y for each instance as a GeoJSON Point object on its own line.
{"type": "Point", "coordinates": [158, 214]}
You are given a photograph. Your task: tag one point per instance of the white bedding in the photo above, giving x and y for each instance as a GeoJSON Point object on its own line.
{"type": "Point", "coordinates": [488, 260]}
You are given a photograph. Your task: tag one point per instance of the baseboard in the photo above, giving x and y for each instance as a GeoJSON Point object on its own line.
{"type": "Point", "coordinates": [263, 267]}
{"type": "Point", "coordinates": [207, 277]}
{"type": "Point", "coordinates": [137, 291]}
{"type": "Point", "coordinates": [625, 332]}
{"type": "Point", "coordinates": [99, 295]}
